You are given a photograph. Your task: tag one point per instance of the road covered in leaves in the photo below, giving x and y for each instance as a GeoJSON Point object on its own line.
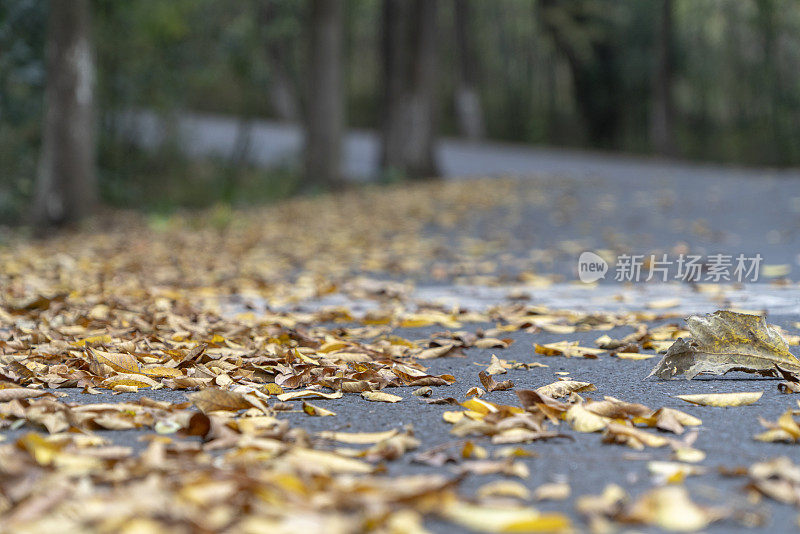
{"type": "Point", "coordinates": [399, 359]}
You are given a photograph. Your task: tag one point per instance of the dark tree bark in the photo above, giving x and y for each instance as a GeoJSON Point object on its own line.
{"type": "Point", "coordinates": [325, 108]}
{"type": "Point", "coordinates": [66, 187]}
{"type": "Point", "coordinates": [409, 79]}
{"type": "Point", "coordinates": [594, 68]}
{"type": "Point", "coordinates": [662, 112]}
{"type": "Point", "coordinates": [282, 88]}
{"type": "Point", "coordinates": [467, 101]}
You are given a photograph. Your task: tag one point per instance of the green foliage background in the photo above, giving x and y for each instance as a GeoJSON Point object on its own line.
{"type": "Point", "coordinates": [736, 84]}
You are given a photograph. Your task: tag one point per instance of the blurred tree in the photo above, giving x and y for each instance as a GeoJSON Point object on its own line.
{"type": "Point", "coordinates": [23, 32]}
{"type": "Point", "coordinates": [582, 31]}
{"type": "Point", "coordinates": [469, 112]}
{"type": "Point", "coordinates": [66, 187]}
{"type": "Point", "coordinates": [410, 87]}
{"type": "Point", "coordinates": [662, 111]}
{"type": "Point", "coordinates": [281, 88]}
{"type": "Point", "coordinates": [324, 120]}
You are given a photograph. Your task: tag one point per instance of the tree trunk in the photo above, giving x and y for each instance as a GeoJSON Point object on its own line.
{"type": "Point", "coordinates": [409, 71]}
{"type": "Point", "coordinates": [281, 89]}
{"type": "Point", "coordinates": [662, 112]}
{"type": "Point", "coordinates": [595, 71]}
{"type": "Point", "coordinates": [66, 187]}
{"type": "Point", "coordinates": [468, 109]}
{"type": "Point", "coordinates": [325, 109]}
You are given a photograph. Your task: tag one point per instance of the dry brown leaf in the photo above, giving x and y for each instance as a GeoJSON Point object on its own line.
{"type": "Point", "coordinates": [317, 411]}
{"type": "Point", "coordinates": [308, 394]}
{"type": "Point", "coordinates": [569, 349]}
{"type": "Point", "coordinates": [380, 396]}
{"type": "Point", "coordinates": [214, 399]}
{"type": "Point", "coordinates": [120, 362]}
{"type": "Point", "coordinates": [744, 398]}
{"type": "Point", "coordinates": [504, 488]}
{"type": "Point", "coordinates": [582, 420]}
{"type": "Point", "coordinates": [358, 438]}
{"type": "Point", "coordinates": [496, 366]}
{"type": "Point", "coordinates": [490, 384]}
{"type": "Point", "coordinates": [564, 388]}
{"type": "Point", "coordinates": [727, 341]}
{"type": "Point", "coordinates": [505, 519]}
{"type": "Point", "coordinates": [554, 491]}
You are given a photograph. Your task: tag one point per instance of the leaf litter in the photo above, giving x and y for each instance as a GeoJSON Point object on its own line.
{"type": "Point", "coordinates": [148, 307]}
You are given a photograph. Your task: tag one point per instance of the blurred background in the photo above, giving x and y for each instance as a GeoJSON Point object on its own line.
{"type": "Point", "coordinates": [162, 104]}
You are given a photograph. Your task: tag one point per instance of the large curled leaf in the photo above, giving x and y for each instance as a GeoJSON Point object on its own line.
{"type": "Point", "coordinates": [727, 341]}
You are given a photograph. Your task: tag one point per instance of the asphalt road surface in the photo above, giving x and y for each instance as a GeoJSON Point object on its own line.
{"type": "Point", "coordinates": [726, 434]}
{"type": "Point", "coordinates": [587, 202]}
{"type": "Point", "coordinates": [579, 200]}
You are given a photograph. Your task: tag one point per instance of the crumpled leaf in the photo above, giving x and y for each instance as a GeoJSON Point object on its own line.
{"type": "Point", "coordinates": [308, 394]}
{"type": "Point", "coordinates": [743, 398]}
{"type": "Point", "coordinates": [492, 385]}
{"type": "Point", "coordinates": [120, 362]}
{"type": "Point", "coordinates": [316, 411]}
{"type": "Point", "coordinates": [564, 388]}
{"type": "Point", "coordinates": [496, 366]}
{"type": "Point", "coordinates": [668, 507]}
{"type": "Point", "coordinates": [504, 488]}
{"type": "Point", "coordinates": [507, 519]}
{"type": "Point", "coordinates": [785, 429]}
{"type": "Point", "coordinates": [358, 438]}
{"type": "Point", "coordinates": [506, 467]}
{"type": "Point", "coordinates": [671, 508]}
{"type": "Point", "coordinates": [9, 394]}
{"type": "Point", "coordinates": [213, 399]}
{"type": "Point", "coordinates": [778, 479]}
{"type": "Point", "coordinates": [568, 349]}
{"type": "Point", "coordinates": [380, 396]}
{"type": "Point", "coordinates": [726, 341]}
{"type": "Point", "coordinates": [553, 491]}
{"type": "Point", "coordinates": [583, 420]}
{"type": "Point", "coordinates": [673, 472]}
{"type": "Point", "coordinates": [633, 437]}
{"type": "Point", "coordinates": [669, 419]}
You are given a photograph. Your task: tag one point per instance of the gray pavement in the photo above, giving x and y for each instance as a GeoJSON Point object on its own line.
{"type": "Point", "coordinates": [572, 201]}
{"type": "Point", "coordinates": [726, 434]}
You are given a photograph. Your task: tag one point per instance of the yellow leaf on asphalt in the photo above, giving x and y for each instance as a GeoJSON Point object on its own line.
{"type": "Point", "coordinates": [688, 454]}
{"type": "Point", "coordinates": [634, 356]}
{"type": "Point", "coordinates": [315, 461]}
{"type": "Point", "coordinates": [358, 438]}
{"type": "Point", "coordinates": [213, 399]}
{"type": "Point", "coordinates": [554, 491]}
{"type": "Point", "coordinates": [316, 411]}
{"type": "Point", "coordinates": [272, 389]}
{"type": "Point", "coordinates": [452, 416]}
{"type": "Point", "coordinates": [380, 396]}
{"type": "Point", "coordinates": [569, 349]}
{"type": "Point", "coordinates": [505, 519]}
{"type": "Point", "coordinates": [504, 488]}
{"type": "Point", "coordinates": [308, 394]}
{"type": "Point", "coordinates": [582, 420]}
{"type": "Point", "coordinates": [496, 366]}
{"type": "Point", "coordinates": [673, 472]}
{"type": "Point", "coordinates": [564, 388]}
{"type": "Point", "coordinates": [723, 399]}
{"type": "Point", "coordinates": [671, 509]}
